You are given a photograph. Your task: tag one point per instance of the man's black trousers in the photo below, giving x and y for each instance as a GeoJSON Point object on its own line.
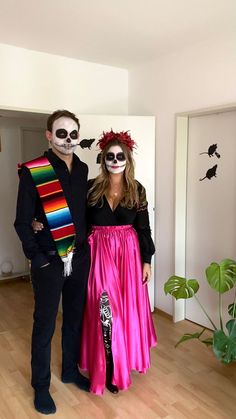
{"type": "Point", "coordinates": [49, 284]}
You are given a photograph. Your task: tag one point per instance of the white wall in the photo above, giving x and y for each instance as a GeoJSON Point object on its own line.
{"type": "Point", "coordinates": [45, 82]}
{"type": "Point", "coordinates": [194, 78]}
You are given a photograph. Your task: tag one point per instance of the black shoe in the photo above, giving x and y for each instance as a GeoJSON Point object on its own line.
{"type": "Point", "coordinates": [112, 388]}
{"type": "Point", "coordinates": [78, 379]}
{"type": "Point", "coordinates": [43, 402]}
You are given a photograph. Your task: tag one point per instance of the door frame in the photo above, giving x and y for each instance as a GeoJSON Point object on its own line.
{"type": "Point", "coordinates": [181, 177]}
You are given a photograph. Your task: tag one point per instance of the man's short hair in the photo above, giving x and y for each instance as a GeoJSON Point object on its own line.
{"type": "Point", "coordinates": [58, 114]}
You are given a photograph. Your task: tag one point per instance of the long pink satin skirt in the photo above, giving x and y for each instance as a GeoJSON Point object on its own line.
{"type": "Point", "coordinates": [116, 268]}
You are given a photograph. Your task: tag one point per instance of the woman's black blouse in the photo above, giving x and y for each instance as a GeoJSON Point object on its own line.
{"type": "Point", "coordinates": [136, 216]}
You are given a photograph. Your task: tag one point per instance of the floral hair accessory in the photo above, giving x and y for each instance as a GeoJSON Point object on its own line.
{"type": "Point", "coordinates": [123, 137]}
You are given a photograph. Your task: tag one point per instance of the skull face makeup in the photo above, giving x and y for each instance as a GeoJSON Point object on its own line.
{"type": "Point", "coordinates": [64, 136]}
{"type": "Point", "coordinates": [115, 159]}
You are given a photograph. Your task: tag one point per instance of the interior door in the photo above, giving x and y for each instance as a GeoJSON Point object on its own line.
{"type": "Point", "coordinates": [211, 206]}
{"type": "Point", "coordinates": [142, 130]}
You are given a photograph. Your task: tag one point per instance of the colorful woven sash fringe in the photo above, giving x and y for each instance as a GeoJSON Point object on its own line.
{"type": "Point", "coordinates": [55, 207]}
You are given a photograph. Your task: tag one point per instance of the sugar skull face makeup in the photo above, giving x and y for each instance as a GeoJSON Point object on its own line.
{"type": "Point", "coordinates": [64, 136]}
{"type": "Point", "coordinates": [115, 159]}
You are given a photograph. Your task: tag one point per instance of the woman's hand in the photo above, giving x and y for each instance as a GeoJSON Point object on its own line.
{"type": "Point", "coordinates": [146, 273]}
{"type": "Point", "coordinates": [37, 226]}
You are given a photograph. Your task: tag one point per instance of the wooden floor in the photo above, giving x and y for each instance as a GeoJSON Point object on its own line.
{"type": "Point", "coordinates": [187, 382]}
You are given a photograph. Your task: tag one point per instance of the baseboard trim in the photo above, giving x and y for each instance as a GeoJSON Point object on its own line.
{"type": "Point", "coordinates": [25, 278]}
{"type": "Point", "coordinates": [163, 313]}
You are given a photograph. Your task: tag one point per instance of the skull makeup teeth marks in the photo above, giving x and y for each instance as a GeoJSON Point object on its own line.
{"type": "Point", "coordinates": [115, 159]}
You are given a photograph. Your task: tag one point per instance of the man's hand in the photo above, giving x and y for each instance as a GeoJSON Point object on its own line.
{"type": "Point", "coordinates": [37, 226]}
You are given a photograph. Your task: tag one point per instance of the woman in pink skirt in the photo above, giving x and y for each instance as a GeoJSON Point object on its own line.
{"type": "Point", "coordinates": [118, 330]}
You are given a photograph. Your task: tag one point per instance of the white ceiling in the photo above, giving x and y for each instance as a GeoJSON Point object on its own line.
{"type": "Point", "coordinates": [121, 33]}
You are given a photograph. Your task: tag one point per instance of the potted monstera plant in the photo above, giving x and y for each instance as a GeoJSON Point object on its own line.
{"type": "Point", "coordinates": [221, 277]}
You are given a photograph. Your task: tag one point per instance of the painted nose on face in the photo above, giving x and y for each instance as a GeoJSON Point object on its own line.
{"type": "Point", "coordinates": [115, 161]}
{"type": "Point", "coordinates": [68, 140]}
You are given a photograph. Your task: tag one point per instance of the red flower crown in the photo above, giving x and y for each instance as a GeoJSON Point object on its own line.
{"type": "Point", "coordinates": [122, 137]}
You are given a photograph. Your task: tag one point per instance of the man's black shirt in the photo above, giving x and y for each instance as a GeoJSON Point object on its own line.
{"type": "Point", "coordinates": [29, 206]}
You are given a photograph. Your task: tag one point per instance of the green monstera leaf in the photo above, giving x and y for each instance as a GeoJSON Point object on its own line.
{"type": "Point", "coordinates": [222, 277]}
{"type": "Point", "coordinates": [208, 341]}
{"type": "Point", "coordinates": [197, 335]}
{"type": "Point", "coordinates": [181, 287]}
{"type": "Point", "coordinates": [232, 310]}
{"type": "Point", "coordinates": [188, 336]}
{"type": "Point", "coordinates": [224, 346]}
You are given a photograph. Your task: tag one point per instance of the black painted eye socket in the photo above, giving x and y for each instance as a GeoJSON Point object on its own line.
{"type": "Point", "coordinates": [119, 156]}
{"type": "Point", "coordinates": [110, 156]}
{"type": "Point", "coordinates": [74, 134]}
{"type": "Point", "coordinates": [62, 133]}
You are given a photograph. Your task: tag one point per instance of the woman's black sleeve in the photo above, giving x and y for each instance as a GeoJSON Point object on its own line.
{"type": "Point", "coordinates": [142, 226]}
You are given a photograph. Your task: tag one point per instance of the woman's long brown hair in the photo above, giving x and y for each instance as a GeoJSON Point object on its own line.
{"type": "Point", "coordinates": [101, 183]}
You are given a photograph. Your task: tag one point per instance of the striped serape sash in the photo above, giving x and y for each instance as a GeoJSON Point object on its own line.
{"type": "Point", "coordinates": [55, 207]}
